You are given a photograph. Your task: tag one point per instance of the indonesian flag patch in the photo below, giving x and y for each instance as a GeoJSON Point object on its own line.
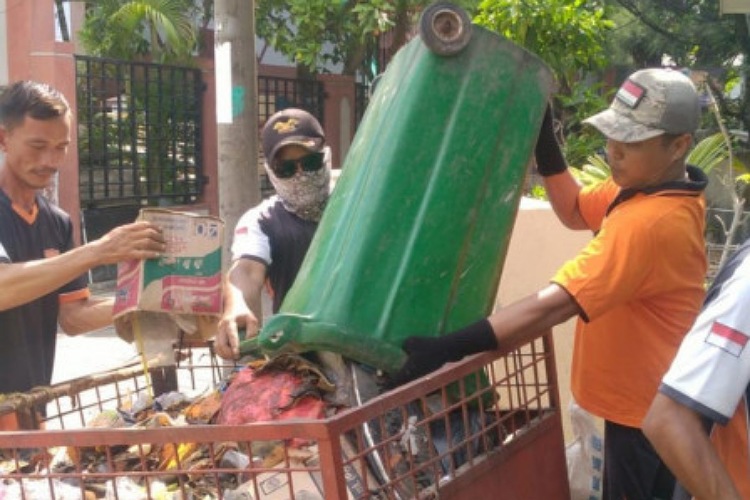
{"type": "Point", "coordinates": [630, 93]}
{"type": "Point", "coordinates": [727, 339]}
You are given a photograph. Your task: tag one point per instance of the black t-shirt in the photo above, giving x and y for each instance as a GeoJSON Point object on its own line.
{"type": "Point", "coordinates": [271, 234]}
{"type": "Point", "coordinates": [28, 333]}
{"type": "Point", "coordinates": [290, 238]}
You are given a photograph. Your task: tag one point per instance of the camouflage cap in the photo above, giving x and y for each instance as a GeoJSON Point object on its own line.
{"type": "Point", "coordinates": [651, 102]}
{"type": "Point", "coordinates": [291, 126]}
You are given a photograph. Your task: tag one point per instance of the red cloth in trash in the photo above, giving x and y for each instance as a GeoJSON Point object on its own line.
{"type": "Point", "coordinates": [253, 397]}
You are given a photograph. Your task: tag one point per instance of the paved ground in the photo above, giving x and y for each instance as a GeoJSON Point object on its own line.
{"type": "Point", "coordinates": [91, 353]}
{"type": "Point", "coordinates": [98, 351]}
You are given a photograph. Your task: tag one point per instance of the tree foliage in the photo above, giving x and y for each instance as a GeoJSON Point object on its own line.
{"type": "Point", "coordinates": [316, 34]}
{"type": "Point", "coordinates": [692, 33]}
{"type": "Point", "coordinates": [570, 36]}
{"type": "Point", "coordinates": [576, 38]}
{"type": "Point", "coordinates": [128, 29]}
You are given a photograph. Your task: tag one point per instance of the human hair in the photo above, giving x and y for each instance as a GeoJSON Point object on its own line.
{"type": "Point", "coordinates": [33, 99]}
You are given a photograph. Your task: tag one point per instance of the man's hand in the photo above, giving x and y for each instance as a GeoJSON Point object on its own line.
{"type": "Point", "coordinates": [549, 157]}
{"type": "Point", "coordinates": [242, 289]}
{"type": "Point", "coordinates": [424, 355]}
{"type": "Point", "coordinates": [427, 354]}
{"type": "Point", "coordinates": [138, 240]}
{"type": "Point", "coordinates": [227, 339]}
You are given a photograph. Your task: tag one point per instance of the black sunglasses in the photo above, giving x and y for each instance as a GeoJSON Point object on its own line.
{"type": "Point", "coordinates": [285, 169]}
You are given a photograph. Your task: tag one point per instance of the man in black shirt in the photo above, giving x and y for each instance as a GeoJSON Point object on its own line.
{"type": "Point", "coordinates": [271, 239]}
{"type": "Point", "coordinates": [42, 274]}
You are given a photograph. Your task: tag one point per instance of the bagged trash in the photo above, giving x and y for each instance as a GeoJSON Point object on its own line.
{"type": "Point", "coordinates": [585, 456]}
{"type": "Point", "coordinates": [284, 388]}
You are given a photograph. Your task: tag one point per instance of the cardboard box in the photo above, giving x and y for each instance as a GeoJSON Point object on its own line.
{"type": "Point", "coordinates": [183, 285]}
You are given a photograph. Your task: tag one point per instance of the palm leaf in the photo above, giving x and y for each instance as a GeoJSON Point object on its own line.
{"type": "Point", "coordinates": [709, 153]}
{"type": "Point", "coordinates": [593, 172]}
{"type": "Point", "coordinates": [169, 18]}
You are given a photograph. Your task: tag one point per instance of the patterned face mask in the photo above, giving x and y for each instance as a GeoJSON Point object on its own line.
{"type": "Point", "coordinates": [306, 193]}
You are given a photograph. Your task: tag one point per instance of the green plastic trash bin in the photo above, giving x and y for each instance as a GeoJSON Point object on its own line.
{"type": "Point", "coordinates": [416, 231]}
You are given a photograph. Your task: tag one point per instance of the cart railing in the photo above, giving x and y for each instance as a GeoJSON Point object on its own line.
{"type": "Point", "coordinates": [441, 436]}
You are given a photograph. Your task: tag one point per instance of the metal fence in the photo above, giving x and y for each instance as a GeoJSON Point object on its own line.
{"type": "Point", "coordinates": [139, 141]}
{"type": "Point", "coordinates": [139, 131]}
{"type": "Point", "coordinates": [275, 94]}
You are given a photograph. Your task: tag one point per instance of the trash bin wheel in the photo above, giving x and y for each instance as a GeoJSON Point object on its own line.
{"type": "Point", "coordinates": [445, 28]}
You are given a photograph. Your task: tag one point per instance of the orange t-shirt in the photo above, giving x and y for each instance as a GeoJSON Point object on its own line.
{"type": "Point", "coordinates": [731, 443]}
{"type": "Point", "coordinates": [639, 283]}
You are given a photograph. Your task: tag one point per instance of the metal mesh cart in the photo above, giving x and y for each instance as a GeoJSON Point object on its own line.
{"type": "Point", "coordinates": [418, 441]}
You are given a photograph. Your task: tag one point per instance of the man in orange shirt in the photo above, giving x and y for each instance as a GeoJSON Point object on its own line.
{"type": "Point", "coordinates": [636, 287]}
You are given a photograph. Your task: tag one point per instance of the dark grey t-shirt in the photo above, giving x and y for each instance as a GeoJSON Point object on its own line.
{"type": "Point", "coordinates": [276, 237]}
{"type": "Point", "coordinates": [28, 332]}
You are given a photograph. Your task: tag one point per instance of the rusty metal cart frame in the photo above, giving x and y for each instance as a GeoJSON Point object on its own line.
{"type": "Point", "coordinates": [517, 452]}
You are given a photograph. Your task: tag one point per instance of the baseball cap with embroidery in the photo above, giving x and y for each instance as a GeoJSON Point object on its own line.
{"type": "Point", "coordinates": [291, 126]}
{"type": "Point", "coordinates": [651, 102]}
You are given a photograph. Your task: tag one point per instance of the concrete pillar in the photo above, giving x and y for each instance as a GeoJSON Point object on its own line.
{"type": "Point", "coordinates": [236, 110]}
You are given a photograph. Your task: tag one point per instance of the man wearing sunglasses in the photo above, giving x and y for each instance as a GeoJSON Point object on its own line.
{"type": "Point", "coordinates": [271, 239]}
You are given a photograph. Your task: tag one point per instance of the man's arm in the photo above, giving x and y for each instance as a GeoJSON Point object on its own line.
{"type": "Point", "coordinates": [24, 282]}
{"type": "Point", "coordinates": [81, 316]}
{"type": "Point", "coordinates": [678, 435]}
{"type": "Point", "coordinates": [562, 188]}
{"type": "Point", "coordinates": [524, 319]}
{"type": "Point", "coordinates": [511, 326]}
{"type": "Point", "coordinates": [562, 191]}
{"type": "Point", "coordinates": [242, 305]}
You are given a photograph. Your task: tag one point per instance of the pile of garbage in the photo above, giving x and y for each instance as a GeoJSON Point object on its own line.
{"type": "Point", "coordinates": [286, 387]}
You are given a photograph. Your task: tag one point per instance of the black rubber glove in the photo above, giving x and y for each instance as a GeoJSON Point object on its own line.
{"type": "Point", "coordinates": [427, 354]}
{"type": "Point", "coordinates": [549, 157]}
